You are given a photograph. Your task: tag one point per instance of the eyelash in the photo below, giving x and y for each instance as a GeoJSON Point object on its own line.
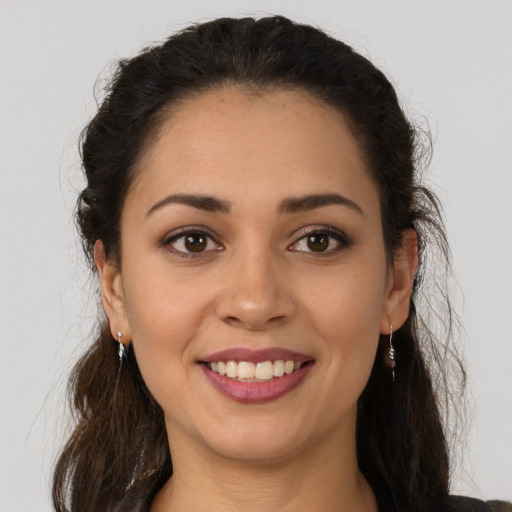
{"type": "Point", "coordinates": [340, 238]}
{"type": "Point", "coordinates": [182, 234]}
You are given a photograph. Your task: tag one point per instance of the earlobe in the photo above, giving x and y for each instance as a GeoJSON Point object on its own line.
{"type": "Point", "coordinates": [403, 272]}
{"type": "Point", "coordinates": [112, 295]}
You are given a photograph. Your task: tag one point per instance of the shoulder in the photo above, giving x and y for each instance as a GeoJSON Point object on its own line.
{"type": "Point", "coordinates": [467, 504]}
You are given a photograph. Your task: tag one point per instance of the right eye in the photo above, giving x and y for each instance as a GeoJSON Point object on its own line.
{"type": "Point", "coordinates": [322, 241]}
{"type": "Point", "coordinates": [191, 243]}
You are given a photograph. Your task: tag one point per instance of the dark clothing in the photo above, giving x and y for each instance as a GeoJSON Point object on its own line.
{"type": "Point", "coordinates": [457, 504]}
{"type": "Point", "coordinates": [466, 504]}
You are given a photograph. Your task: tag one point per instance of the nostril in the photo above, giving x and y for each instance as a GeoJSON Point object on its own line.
{"type": "Point", "coordinates": [255, 307]}
{"type": "Point", "coordinates": [254, 324]}
{"type": "Point", "coordinates": [233, 321]}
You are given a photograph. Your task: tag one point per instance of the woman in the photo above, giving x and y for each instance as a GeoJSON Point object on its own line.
{"type": "Point", "coordinates": [253, 212]}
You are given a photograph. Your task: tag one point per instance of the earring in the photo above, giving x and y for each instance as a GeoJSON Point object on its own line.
{"type": "Point", "coordinates": [120, 354]}
{"type": "Point", "coordinates": [391, 353]}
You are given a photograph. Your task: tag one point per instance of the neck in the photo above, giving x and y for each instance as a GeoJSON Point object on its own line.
{"type": "Point", "coordinates": [324, 478]}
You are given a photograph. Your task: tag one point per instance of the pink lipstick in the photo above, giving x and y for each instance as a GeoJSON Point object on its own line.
{"type": "Point", "coordinates": [283, 371]}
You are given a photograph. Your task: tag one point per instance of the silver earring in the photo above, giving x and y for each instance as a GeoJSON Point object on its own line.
{"type": "Point", "coordinates": [391, 353]}
{"type": "Point", "coordinates": [120, 354]}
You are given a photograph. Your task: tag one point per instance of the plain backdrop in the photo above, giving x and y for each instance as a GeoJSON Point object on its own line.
{"type": "Point", "coordinates": [451, 62]}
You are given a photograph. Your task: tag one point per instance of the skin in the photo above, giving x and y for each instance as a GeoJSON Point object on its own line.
{"type": "Point", "coordinates": [257, 284]}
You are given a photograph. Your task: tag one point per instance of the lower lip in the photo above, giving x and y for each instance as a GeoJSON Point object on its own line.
{"type": "Point", "coordinates": [256, 392]}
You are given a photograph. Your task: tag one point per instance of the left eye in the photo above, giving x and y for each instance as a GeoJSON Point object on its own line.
{"type": "Point", "coordinates": [318, 241]}
{"type": "Point", "coordinates": [192, 243]}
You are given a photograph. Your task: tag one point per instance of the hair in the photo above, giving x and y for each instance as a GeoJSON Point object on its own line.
{"type": "Point", "coordinates": [117, 457]}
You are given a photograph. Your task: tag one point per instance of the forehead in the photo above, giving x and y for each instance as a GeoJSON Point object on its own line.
{"type": "Point", "coordinates": [232, 143]}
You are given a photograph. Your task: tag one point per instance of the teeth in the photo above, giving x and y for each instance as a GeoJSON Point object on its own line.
{"type": "Point", "coordinates": [247, 371]}
{"type": "Point", "coordinates": [265, 370]}
{"type": "Point", "coordinates": [232, 369]}
{"type": "Point", "coordinates": [278, 368]}
{"type": "Point", "coordinates": [289, 366]}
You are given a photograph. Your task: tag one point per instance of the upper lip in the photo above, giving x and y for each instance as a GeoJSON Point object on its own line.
{"type": "Point", "coordinates": [256, 356]}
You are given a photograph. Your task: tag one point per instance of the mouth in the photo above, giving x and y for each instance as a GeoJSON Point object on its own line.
{"type": "Point", "coordinates": [256, 376]}
{"type": "Point", "coordinates": [247, 371]}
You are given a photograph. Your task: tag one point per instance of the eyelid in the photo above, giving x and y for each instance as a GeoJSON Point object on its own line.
{"type": "Point", "coordinates": [319, 228]}
{"type": "Point", "coordinates": [342, 239]}
{"type": "Point", "coordinates": [187, 230]}
{"type": "Point", "coordinates": [178, 233]}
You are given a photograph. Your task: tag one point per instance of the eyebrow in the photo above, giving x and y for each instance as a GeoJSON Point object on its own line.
{"type": "Point", "coordinates": [201, 202]}
{"type": "Point", "coordinates": [312, 201]}
{"type": "Point", "coordinates": [289, 205]}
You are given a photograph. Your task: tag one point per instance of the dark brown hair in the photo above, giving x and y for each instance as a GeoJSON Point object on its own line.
{"type": "Point", "coordinates": [117, 457]}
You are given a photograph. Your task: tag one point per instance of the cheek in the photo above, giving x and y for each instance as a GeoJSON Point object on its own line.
{"type": "Point", "coordinates": [164, 312]}
{"type": "Point", "coordinates": [346, 313]}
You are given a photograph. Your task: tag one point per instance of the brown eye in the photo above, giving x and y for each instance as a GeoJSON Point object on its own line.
{"type": "Point", "coordinates": [323, 242]}
{"type": "Point", "coordinates": [318, 242]}
{"type": "Point", "coordinates": [191, 243]}
{"type": "Point", "coordinates": [195, 242]}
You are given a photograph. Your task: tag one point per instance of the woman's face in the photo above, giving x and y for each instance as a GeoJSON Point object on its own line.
{"type": "Point", "coordinates": [251, 237]}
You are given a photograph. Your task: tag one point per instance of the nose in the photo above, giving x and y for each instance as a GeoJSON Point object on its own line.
{"type": "Point", "coordinates": [255, 295]}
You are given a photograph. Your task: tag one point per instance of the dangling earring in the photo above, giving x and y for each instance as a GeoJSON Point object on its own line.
{"type": "Point", "coordinates": [120, 354]}
{"type": "Point", "coordinates": [391, 353]}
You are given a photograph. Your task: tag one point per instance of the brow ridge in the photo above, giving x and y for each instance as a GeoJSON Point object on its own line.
{"type": "Point", "coordinates": [199, 201]}
{"type": "Point", "coordinates": [288, 205]}
{"type": "Point", "coordinates": [312, 201]}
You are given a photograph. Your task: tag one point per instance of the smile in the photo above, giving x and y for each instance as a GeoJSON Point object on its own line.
{"type": "Point", "coordinates": [247, 371]}
{"type": "Point", "coordinates": [250, 376]}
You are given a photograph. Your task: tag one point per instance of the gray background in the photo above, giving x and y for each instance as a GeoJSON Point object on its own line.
{"type": "Point", "coordinates": [451, 62]}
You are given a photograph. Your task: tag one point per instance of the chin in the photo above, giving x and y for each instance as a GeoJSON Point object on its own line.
{"type": "Point", "coordinates": [265, 442]}
{"type": "Point", "coordinates": [256, 451]}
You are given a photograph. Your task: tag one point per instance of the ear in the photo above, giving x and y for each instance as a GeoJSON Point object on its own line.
{"type": "Point", "coordinates": [401, 281]}
{"type": "Point", "coordinates": [112, 295]}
